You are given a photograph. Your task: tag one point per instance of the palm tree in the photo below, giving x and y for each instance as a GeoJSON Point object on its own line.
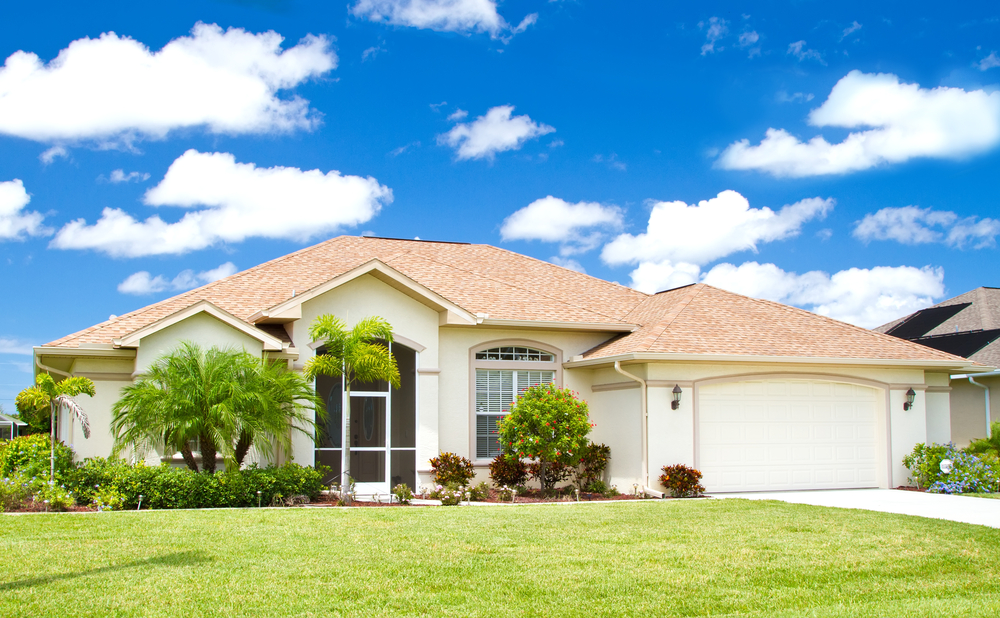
{"type": "Point", "coordinates": [224, 399]}
{"type": "Point", "coordinates": [358, 354]}
{"type": "Point", "coordinates": [53, 396]}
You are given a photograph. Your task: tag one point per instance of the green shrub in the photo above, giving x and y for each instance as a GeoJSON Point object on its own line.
{"type": "Point", "coordinates": [53, 497]}
{"type": "Point", "coordinates": [682, 481]}
{"type": "Point", "coordinates": [549, 425]}
{"type": "Point", "coordinates": [15, 493]}
{"type": "Point", "coordinates": [508, 471]}
{"type": "Point", "coordinates": [449, 468]}
{"type": "Point", "coordinates": [594, 459]}
{"type": "Point", "coordinates": [597, 487]}
{"type": "Point", "coordinates": [480, 492]}
{"type": "Point", "coordinates": [924, 463]}
{"type": "Point", "coordinates": [555, 472]}
{"type": "Point", "coordinates": [969, 474]}
{"type": "Point", "coordinates": [29, 456]}
{"type": "Point", "coordinates": [94, 475]}
{"type": "Point", "coordinates": [989, 445]}
{"type": "Point", "coordinates": [403, 493]}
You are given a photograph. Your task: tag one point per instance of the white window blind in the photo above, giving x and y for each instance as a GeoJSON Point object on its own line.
{"type": "Point", "coordinates": [495, 392]}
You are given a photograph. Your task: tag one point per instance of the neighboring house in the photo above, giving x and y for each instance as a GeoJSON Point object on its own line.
{"type": "Point", "coordinates": [769, 397]}
{"type": "Point", "coordinates": [11, 427]}
{"type": "Point", "coordinates": [969, 326]}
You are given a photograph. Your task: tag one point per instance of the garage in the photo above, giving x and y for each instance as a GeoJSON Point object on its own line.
{"type": "Point", "coordinates": [771, 435]}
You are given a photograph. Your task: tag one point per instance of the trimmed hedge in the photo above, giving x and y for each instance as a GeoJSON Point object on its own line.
{"type": "Point", "coordinates": [166, 487]}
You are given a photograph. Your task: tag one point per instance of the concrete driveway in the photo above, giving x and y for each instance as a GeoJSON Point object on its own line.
{"type": "Point", "coordinates": [981, 511]}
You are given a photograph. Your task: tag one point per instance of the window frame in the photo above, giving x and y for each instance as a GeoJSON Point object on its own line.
{"type": "Point", "coordinates": [474, 364]}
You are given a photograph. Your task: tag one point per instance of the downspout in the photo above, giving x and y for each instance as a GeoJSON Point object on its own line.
{"type": "Point", "coordinates": [645, 423]}
{"type": "Point", "coordinates": [987, 395]}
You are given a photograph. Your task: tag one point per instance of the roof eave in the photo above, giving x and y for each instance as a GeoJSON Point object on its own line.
{"type": "Point", "coordinates": [956, 365]}
{"type": "Point", "coordinates": [561, 325]}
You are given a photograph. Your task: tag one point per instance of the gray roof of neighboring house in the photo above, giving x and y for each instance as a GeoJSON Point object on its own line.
{"type": "Point", "coordinates": [977, 320]}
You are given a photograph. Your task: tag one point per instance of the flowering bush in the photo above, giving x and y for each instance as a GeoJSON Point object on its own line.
{"type": "Point", "coordinates": [451, 468]}
{"type": "Point", "coordinates": [682, 481]}
{"type": "Point", "coordinates": [403, 493]}
{"type": "Point", "coordinates": [924, 463]}
{"type": "Point", "coordinates": [555, 472]}
{"type": "Point", "coordinates": [21, 493]}
{"type": "Point", "coordinates": [969, 474]}
{"type": "Point", "coordinates": [547, 424]}
{"type": "Point", "coordinates": [29, 456]}
{"type": "Point", "coordinates": [508, 471]}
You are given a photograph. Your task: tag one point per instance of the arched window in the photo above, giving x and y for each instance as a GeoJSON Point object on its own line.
{"type": "Point", "coordinates": [502, 373]}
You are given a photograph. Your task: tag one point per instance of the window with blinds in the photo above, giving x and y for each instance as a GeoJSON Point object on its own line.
{"type": "Point", "coordinates": [496, 390]}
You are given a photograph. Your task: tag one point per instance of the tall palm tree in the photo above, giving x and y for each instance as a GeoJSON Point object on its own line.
{"type": "Point", "coordinates": [358, 354]}
{"type": "Point", "coordinates": [51, 396]}
{"type": "Point", "coordinates": [227, 400]}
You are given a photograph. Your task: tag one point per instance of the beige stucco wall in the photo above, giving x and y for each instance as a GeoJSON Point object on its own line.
{"type": "Point", "coordinates": [458, 372]}
{"type": "Point", "coordinates": [98, 409]}
{"type": "Point", "coordinates": [672, 432]}
{"type": "Point", "coordinates": [201, 328]}
{"type": "Point", "coordinates": [410, 319]}
{"type": "Point", "coordinates": [968, 408]}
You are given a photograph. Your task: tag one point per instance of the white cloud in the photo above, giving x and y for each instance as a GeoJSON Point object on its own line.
{"type": "Point", "coordinates": [495, 132]}
{"type": "Point", "coordinates": [569, 263]}
{"type": "Point", "coordinates": [796, 97]}
{"type": "Point", "coordinates": [14, 346]}
{"type": "Point", "coordinates": [51, 154]}
{"type": "Point", "coordinates": [612, 160]}
{"type": "Point", "coordinates": [800, 51]}
{"type": "Point", "coordinates": [854, 27]}
{"type": "Point", "coordinates": [119, 176]}
{"type": "Point", "coordinates": [142, 283]}
{"type": "Point", "coordinates": [912, 225]}
{"type": "Point", "coordinates": [908, 122]}
{"type": "Point", "coordinates": [115, 89]}
{"type": "Point", "coordinates": [395, 152]}
{"type": "Point", "coordinates": [716, 28]}
{"type": "Point", "coordinates": [861, 296]}
{"type": "Point", "coordinates": [580, 227]}
{"type": "Point", "coordinates": [241, 200]}
{"type": "Point", "coordinates": [458, 114]}
{"type": "Point", "coordinates": [442, 15]}
{"type": "Point", "coordinates": [371, 53]}
{"type": "Point", "coordinates": [15, 223]}
{"type": "Point", "coordinates": [653, 277]}
{"type": "Point", "coordinates": [749, 38]}
{"type": "Point", "coordinates": [715, 228]}
{"type": "Point", "coordinates": [988, 62]}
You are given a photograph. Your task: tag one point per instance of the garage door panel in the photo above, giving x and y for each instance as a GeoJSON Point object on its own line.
{"type": "Point", "coordinates": [787, 434]}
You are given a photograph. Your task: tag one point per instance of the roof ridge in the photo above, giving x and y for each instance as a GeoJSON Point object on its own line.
{"type": "Point", "coordinates": [674, 312]}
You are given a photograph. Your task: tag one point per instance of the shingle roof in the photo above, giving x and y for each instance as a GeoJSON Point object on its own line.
{"type": "Point", "coordinates": [696, 319]}
{"type": "Point", "coordinates": [701, 319]}
{"type": "Point", "coordinates": [478, 278]}
{"type": "Point", "coordinates": [982, 314]}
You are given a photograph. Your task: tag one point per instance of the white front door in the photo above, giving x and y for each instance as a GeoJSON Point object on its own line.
{"type": "Point", "coordinates": [769, 435]}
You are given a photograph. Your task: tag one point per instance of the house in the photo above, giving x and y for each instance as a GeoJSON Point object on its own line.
{"type": "Point", "coordinates": [757, 395]}
{"type": "Point", "coordinates": [969, 326]}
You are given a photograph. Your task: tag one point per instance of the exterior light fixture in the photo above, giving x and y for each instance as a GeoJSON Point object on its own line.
{"type": "Point", "coordinates": [676, 403]}
{"type": "Point", "coordinates": [910, 396]}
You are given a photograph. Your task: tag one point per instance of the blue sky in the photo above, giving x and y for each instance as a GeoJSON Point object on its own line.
{"type": "Point", "coordinates": [842, 158]}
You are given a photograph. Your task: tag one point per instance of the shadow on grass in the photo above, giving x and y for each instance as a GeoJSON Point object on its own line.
{"type": "Point", "coordinates": [184, 558]}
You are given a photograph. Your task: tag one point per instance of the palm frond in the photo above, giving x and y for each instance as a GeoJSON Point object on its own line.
{"type": "Point", "coordinates": [67, 402]}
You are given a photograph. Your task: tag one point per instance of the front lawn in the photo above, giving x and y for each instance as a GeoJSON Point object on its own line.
{"type": "Point", "coordinates": [653, 558]}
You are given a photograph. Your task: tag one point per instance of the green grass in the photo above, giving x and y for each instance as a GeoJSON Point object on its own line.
{"type": "Point", "coordinates": [993, 496]}
{"type": "Point", "coordinates": [654, 558]}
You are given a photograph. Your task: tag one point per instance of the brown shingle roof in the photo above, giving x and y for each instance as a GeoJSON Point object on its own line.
{"type": "Point", "coordinates": [478, 278]}
{"type": "Point", "coordinates": [701, 319]}
{"type": "Point", "coordinates": [696, 319]}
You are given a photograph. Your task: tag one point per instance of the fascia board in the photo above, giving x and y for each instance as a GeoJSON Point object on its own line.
{"type": "Point", "coordinates": [41, 350]}
{"type": "Point", "coordinates": [797, 360]}
{"type": "Point", "coordinates": [132, 339]}
{"type": "Point", "coordinates": [384, 273]}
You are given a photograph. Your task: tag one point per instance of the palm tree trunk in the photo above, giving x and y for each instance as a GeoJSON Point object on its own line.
{"type": "Point", "coordinates": [207, 453]}
{"type": "Point", "coordinates": [189, 459]}
{"type": "Point", "coordinates": [243, 447]}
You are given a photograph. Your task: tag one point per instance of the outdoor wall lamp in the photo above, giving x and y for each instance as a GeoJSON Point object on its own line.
{"type": "Point", "coordinates": [676, 403]}
{"type": "Point", "coordinates": [910, 396]}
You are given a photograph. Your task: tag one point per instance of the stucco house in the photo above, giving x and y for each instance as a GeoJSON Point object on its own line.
{"type": "Point", "coordinates": [757, 395]}
{"type": "Point", "coordinates": [967, 325]}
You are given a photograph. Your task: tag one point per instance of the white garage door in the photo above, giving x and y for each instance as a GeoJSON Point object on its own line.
{"type": "Point", "coordinates": [786, 434]}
